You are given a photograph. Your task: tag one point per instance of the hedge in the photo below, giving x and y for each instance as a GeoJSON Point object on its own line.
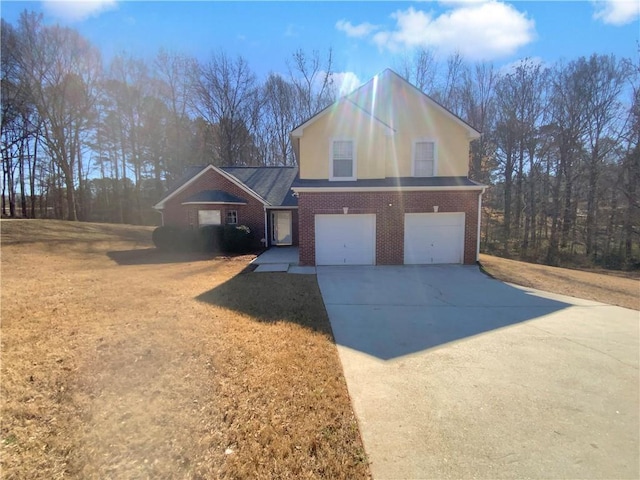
{"type": "Point", "coordinates": [210, 238]}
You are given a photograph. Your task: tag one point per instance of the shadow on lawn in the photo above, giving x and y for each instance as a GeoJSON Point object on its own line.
{"type": "Point", "coordinates": [273, 297]}
{"type": "Point", "coordinates": [389, 312]}
{"type": "Point", "coordinates": [153, 256]}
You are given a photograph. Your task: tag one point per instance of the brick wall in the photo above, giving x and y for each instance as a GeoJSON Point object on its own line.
{"type": "Point", "coordinates": [389, 208]}
{"type": "Point", "coordinates": [251, 214]}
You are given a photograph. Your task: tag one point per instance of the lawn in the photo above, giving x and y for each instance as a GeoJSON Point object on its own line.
{"type": "Point", "coordinates": [122, 362]}
{"type": "Point", "coordinates": [606, 286]}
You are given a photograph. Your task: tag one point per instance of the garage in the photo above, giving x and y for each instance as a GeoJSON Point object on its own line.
{"type": "Point", "coordinates": [433, 238]}
{"type": "Point", "coordinates": [345, 239]}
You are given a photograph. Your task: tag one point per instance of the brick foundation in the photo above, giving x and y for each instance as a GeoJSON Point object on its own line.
{"type": "Point", "coordinates": [389, 208]}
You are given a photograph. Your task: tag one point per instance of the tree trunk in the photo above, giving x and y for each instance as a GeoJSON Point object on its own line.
{"type": "Point", "coordinates": [592, 199]}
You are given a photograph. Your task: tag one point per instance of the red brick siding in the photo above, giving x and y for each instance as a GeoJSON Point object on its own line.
{"type": "Point", "coordinates": [389, 208]}
{"type": "Point", "coordinates": [251, 214]}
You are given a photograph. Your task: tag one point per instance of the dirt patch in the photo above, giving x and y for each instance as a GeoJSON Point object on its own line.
{"type": "Point", "coordinates": [121, 367]}
{"type": "Point", "coordinates": [615, 288]}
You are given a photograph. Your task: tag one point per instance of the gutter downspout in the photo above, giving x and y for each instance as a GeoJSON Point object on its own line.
{"type": "Point", "coordinates": [266, 236]}
{"type": "Point", "coordinates": [479, 222]}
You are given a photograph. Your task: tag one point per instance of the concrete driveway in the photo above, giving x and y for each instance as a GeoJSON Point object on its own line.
{"type": "Point", "coordinates": [455, 375]}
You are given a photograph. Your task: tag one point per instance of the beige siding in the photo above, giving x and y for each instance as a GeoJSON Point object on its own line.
{"type": "Point", "coordinates": [379, 153]}
{"type": "Point", "coordinates": [344, 121]}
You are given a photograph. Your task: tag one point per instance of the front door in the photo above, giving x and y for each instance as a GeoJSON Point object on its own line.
{"type": "Point", "coordinates": [281, 227]}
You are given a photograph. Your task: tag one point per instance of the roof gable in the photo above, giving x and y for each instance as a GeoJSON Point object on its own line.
{"type": "Point", "coordinates": [376, 97]}
{"type": "Point", "coordinates": [270, 185]}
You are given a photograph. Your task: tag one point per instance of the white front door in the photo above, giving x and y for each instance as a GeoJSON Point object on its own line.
{"type": "Point", "coordinates": [433, 238]}
{"type": "Point", "coordinates": [345, 239]}
{"type": "Point", "coordinates": [281, 227]}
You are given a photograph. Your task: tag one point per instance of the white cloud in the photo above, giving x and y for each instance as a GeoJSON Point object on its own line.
{"type": "Point", "coordinates": [616, 12]}
{"type": "Point", "coordinates": [345, 82]}
{"type": "Point", "coordinates": [477, 29]}
{"type": "Point", "coordinates": [357, 31]}
{"type": "Point", "coordinates": [77, 10]}
{"type": "Point", "coordinates": [292, 31]}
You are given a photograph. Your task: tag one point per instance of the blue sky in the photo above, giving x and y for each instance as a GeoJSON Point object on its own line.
{"type": "Point", "coordinates": [366, 37]}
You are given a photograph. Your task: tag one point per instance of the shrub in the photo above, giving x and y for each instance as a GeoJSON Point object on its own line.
{"type": "Point", "coordinates": [175, 239]}
{"type": "Point", "coordinates": [237, 239]}
{"type": "Point", "coordinates": [210, 238]}
{"type": "Point", "coordinates": [166, 238]}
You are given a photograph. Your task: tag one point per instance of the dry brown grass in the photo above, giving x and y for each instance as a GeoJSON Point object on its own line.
{"type": "Point", "coordinates": [120, 362]}
{"type": "Point", "coordinates": [615, 288]}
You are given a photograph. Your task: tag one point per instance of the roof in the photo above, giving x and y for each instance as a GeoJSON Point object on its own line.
{"type": "Point", "coordinates": [214, 196]}
{"type": "Point", "coordinates": [389, 182]}
{"type": "Point", "coordinates": [364, 98]}
{"type": "Point", "coordinates": [189, 172]}
{"type": "Point", "coordinates": [271, 183]}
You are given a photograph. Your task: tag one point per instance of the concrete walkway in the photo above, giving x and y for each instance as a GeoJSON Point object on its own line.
{"type": "Point", "coordinates": [456, 375]}
{"type": "Point", "coordinates": [281, 259]}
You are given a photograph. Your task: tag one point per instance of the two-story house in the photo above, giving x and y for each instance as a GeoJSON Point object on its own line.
{"type": "Point", "coordinates": [383, 179]}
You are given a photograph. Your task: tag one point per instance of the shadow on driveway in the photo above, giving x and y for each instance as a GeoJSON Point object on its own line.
{"type": "Point", "coordinates": [389, 312]}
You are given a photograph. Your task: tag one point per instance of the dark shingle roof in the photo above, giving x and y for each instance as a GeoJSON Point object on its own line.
{"type": "Point", "coordinates": [217, 196]}
{"type": "Point", "coordinates": [391, 182]}
{"type": "Point", "coordinates": [271, 183]}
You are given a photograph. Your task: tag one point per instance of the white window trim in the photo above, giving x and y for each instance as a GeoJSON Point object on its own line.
{"type": "Point", "coordinates": [355, 160]}
{"type": "Point", "coordinates": [435, 156]}
{"type": "Point", "coordinates": [205, 224]}
{"type": "Point", "coordinates": [227, 219]}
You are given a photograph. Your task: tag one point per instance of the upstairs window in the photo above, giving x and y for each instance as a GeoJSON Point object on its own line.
{"type": "Point", "coordinates": [343, 160]}
{"type": "Point", "coordinates": [424, 158]}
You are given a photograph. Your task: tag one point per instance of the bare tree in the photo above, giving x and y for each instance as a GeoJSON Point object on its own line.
{"type": "Point", "coordinates": [312, 77]}
{"type": "Point", "coordinates": [278, 118]}
{"type": "Point", "coordinates": [61, 69]}
{"type": "Point", "coordinates": [227, 96]}
{"type": "Point", "coordinates": [420, 69]}
{"type": "Point", "coordinates": [174, 73]}
{"type": "Point", "coordinates": [602, 80]}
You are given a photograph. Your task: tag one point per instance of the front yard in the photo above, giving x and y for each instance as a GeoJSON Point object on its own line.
{"type": "Point", "coordinates": [119, 362]}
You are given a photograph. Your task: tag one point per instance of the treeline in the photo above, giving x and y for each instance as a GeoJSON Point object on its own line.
{"type": "Point", "coordinates": [84, 140]}
{"type": "Point", "coordinates": [561, 151]}
{"type": "Point", "coordinates": [89, 141]}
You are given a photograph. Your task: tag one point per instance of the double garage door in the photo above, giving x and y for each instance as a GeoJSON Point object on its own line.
{"type": "Point", "coordinates": [351, 239]}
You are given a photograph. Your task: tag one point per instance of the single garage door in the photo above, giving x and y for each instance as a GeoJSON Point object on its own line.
{"type": "Point", "coordinates": [433, 238]}
{"type": "Point", "coordinates": [345, 239]}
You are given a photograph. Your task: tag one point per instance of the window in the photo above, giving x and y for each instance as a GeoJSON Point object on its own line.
{"type": "Point", "coordinates": [208, 217]}
{"type": "Point", "coordinates": [342, 160]}
{"type": "Point", "coordinates": [232, 217]}
{"type": "Point", "coordinates": [424, 159]}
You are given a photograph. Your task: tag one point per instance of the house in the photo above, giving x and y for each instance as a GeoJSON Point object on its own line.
{"type": "Point", "coordinates": [384, 180]}
{"type": "Point", "coordinates": [258, 197]}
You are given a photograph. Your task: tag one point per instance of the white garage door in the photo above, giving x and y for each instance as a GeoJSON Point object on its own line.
{"type": "Point", "coordinates": [345, 239]}
{"type": "Point", "coordinates": [433, 238]}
